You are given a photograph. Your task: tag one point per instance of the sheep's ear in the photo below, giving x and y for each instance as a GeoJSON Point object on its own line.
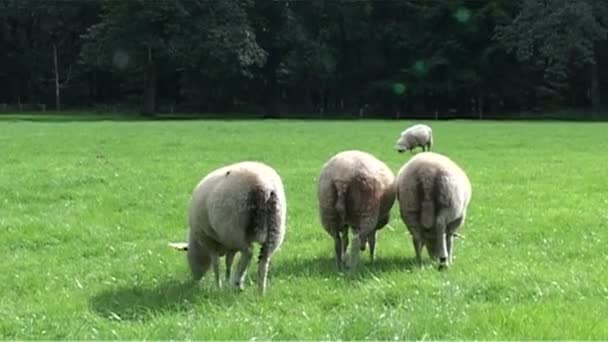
{"type": "Point", "coordinates": [180, 246]}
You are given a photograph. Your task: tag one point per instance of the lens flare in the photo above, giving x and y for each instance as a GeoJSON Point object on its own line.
{"type": "Point", "coordinates": [420, 67]}
{"type": "Point", "coordinates": [462, 15]}
{"type": "Point", "coordinates": [399, 88]}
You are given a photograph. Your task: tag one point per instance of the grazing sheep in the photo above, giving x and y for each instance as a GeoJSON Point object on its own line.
{"type": "Point", "coordinates": [414, 136]}
{"type": "Point", "coordinates": [433, 194]}
{"type": "Point", "coordinates": [231, 208]}
{"type": "Point", "coordinates": [357, 190]}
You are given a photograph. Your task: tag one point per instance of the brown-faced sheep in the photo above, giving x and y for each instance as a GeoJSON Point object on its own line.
{"type": "Point", "coordinates": [355, 189]}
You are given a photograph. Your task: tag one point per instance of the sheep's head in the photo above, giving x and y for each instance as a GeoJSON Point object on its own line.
{"type": "Point", "coordinates": [435, 246]}
{"type": "Point", "coordinates": [401, 148]}
{"type": "Point", "coordinates": [431, 246]}
{"type": "Point", "coordinates": [402, 145]}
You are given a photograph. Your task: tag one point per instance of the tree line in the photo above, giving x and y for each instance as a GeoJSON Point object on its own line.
{"type": "Point", "coordinates": [461, 58]}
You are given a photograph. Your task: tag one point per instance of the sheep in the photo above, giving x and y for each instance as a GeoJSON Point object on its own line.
{"type": "Point", "coordinates": [416, 135]}
{"type": "Point", "coordinates": [355, 189]}
{"type": "Point", "coordinates": [232, 207]}
{"type": "Point", "coordinates": [433, 193]}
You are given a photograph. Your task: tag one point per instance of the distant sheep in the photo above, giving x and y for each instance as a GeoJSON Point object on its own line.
{"type": "Point", "coordinates": [433, 194]}
{"type": "Point", "coordinates": [231, 208]}
{"type": "Point", "coordinates": [417, 135]}
{"type": "Point", "coordinates": [357, 190]}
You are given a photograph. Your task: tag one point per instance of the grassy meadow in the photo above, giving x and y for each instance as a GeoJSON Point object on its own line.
{"type": "Point", "coordinates": [87, 208]}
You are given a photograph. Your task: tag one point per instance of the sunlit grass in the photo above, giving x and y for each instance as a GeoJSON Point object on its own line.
{"type": "Point", "coordinates": [87, 209]}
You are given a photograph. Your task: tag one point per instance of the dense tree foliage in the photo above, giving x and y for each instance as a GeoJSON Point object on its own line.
{"type": "Point", "coordinates": [386, 58]}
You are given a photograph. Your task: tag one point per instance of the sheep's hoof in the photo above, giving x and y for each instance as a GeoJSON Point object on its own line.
{"type": "Point", "coordinates": [352, 267]}
{"type": "Point", "coordinates": [192, 281]}
{"type": "Point", "coordinates": [237, 285]}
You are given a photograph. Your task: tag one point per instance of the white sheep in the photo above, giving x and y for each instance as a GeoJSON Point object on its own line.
{"type": "Point", "coordinates": [231, 208]}
{"type": "Point", "coordinates": [433, 193]}
{"type": "Point", "coordinates": [414, 136]}
{"type": "Point", "coordinates": [355, 189]}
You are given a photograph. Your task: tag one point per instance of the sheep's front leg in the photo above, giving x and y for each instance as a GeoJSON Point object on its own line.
{"type": "Point", "coordinates": [239, 278]}
{"type": "Point", "coordinates": [354, 252]}
{"type": "Point", "coordinates": [440, 240]}
{"type": "Point", "coordinates": [344, 240]}
{"type": "Point", "coordinates": [365, 228]}
{"type": "Point", "coordinates": [451, 230]}
{"type": "Point", "coordinates": [450, 246]}
{"type": "Point", "coordinates": [229, 261]}
{"type": "Point", "coordinates": [372, 245]}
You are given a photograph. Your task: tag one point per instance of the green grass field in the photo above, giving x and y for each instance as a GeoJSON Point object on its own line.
{"type": "Point", "coordinates": [87, 208]}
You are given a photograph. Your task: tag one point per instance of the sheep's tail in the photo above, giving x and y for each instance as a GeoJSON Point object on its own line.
{"type": "Point", "coordinates": [340, 204]}
{"type": "Point", "coordinates": [426, 195]}
{"type": "Point", "coordinates": [267, 220]}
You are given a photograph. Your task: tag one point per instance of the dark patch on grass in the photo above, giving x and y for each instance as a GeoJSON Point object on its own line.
{"type": "Point", "coordinates": [324, 267]}
{"type": "Point", "coordinates": [140, 303]}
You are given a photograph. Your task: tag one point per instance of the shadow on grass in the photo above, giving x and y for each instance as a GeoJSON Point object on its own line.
{"type": "Point", "coordinates": [140, 303]}
{"type": "Point", "coordinates": [325, 267]}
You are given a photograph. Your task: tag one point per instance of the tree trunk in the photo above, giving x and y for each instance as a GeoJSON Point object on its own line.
{"type": "Point", "coordinates": [271, 101]}
{"type": "Point", "coordinates": [149, 98]}
{"type": "Point", "coordinates": [480, 105]}
{"type": "Point", "coordinates": [595, 89]}
{"type": "Point", "coordinates": [57, 85]}
{"type": "Point", "coordinates": [271, 92]}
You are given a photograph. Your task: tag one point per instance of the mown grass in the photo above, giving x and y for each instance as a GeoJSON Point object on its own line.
{"type": "Point", "coordinates": [87, 208]}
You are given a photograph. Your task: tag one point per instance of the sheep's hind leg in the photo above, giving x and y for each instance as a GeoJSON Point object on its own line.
{"type": "Point", "coordinates": [239, 277]}
{"type": "Point", "coordinates": [264, 261]}
{"type": "Point", "coordinates": [215, 260]}
{"type": "Point", "coordinates": [338, 250]}
{"type": "Point", "coordinates": [418, 249]}
{"type": "Point", "coordinates": [198, 260]}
